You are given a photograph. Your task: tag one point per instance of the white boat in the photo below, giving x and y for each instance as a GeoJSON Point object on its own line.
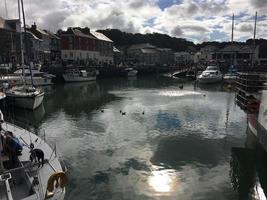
{"type": "Point", "coordinates": [25, 178]}
{"type": "Point", "coordinates": [212, 74]}
{"type": "Point", "coordinates": [38, 78]}
{"type": "Point", "coordinates": [25, 97]}
{"type": "Point", "coordinates": [131, 72]}
{"type": "Point", "coordinates": [76, 75]}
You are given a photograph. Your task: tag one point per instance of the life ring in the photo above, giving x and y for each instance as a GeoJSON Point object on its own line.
{"type": "Point", "coordinates": [253, 106]}
{"type": "Point", "coordinates": [58, 179]}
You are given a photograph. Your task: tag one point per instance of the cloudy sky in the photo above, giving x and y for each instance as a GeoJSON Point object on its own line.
{"type": "Point", "coordinates": [195, 20]}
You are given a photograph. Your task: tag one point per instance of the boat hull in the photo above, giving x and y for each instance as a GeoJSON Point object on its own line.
{"type": "Point", "coordinates": [132, 73]}
{"type": "Point", "coordinates": [68, 78]}
{"type": "Point", "coordinates": [209, 79]}
{"type": "Point", "coordinates": [229, 79]}
{"type": "Point", "coordinates": [44, 173]}
{"type": "Point", "coordinates": [29, 102]}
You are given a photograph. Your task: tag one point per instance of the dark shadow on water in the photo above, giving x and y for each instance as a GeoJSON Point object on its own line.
{"type": "Point", "coordinates": [248, 169]}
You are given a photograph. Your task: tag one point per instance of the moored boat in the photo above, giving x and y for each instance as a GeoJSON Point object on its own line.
{"type": "Point", "coordinates": [30, 168]}
{"type": "Point", "coordinates": [212, 74]}
{"type": "Point", "coordinates": [76, 75]}
{"type": "Point", "coordinates": [25, 97]}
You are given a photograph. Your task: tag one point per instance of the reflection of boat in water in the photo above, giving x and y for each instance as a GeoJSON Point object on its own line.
{"type": "Point", "coordinates": [248, 169]}
{"type": "Point", "coordinates": [249, 175]}
{"type": "Point", "coordinates": [252, 98]}
{"type": "Point", "coordinates": [212, 74]}
{"type": "Point", "coordinates": [33, 117]}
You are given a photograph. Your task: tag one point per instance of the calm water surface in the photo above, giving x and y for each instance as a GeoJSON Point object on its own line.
{"type": "Point", "coordinates": [170, 144]}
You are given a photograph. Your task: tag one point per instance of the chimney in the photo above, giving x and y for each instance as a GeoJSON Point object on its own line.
{"type": "Point", "coordinates": [34, 26]}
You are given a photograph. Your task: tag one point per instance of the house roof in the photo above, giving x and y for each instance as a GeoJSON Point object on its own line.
{"type": "Point", "coordinates": [34, 36]}
{"type": "Point", "coordinates": [77, 32]}
{"type": "Point", "coordinates": [6, 23]}
{"type": "Point", "coordinates": [52, 35]}
{"type": "Point", "coordinates": [116, 50]}
{"type": "Point", "coordinates": [80, 33]}
{"type": "Point", "coordinates": [100, 36]}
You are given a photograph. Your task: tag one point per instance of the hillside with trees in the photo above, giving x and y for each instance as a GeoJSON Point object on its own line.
{"type": "Point", "coordinates": [176, 44]}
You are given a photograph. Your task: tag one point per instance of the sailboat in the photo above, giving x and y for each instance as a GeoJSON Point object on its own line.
{"type": "Point", "coordinates": [231, 76]}
{"type": "Point", "coordinates": [25, 96]}
{"type": "Point", "coordinates": [29, 167]}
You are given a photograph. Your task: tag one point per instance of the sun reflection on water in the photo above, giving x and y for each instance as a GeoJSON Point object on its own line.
{"type": "Point", "coordinates": [164, 182]}
{"type": "Point", "coordinates": [174, 93]}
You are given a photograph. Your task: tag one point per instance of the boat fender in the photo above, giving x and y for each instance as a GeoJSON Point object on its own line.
{"type": "Point", "coordinates": [58, 179]}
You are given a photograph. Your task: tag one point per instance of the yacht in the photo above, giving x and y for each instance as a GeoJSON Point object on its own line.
{"type": "Point", "coordinates": [212, 74]}
{"type": "Point", "coordinates": [24, 96]}
{"type": "Point", "coordinates": [77, 75]}
{"type": "Point", "coordinates": [32, 76]}
{"type": "Point", "coordinates": [27, 97]}
{"type": "Point", "coordinates": [22, 174]}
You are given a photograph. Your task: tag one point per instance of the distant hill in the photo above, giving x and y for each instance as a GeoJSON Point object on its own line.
{"type": "Point", "coordinates": [160, 40]}
{"type": "Point", "coordinates": [176, 44]}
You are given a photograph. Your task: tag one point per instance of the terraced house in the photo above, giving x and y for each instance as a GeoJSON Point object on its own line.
{"type": "Point", "coordinates": [80, 45]}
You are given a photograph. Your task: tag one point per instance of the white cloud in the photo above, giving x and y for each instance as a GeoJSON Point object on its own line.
{"type": "Point", "coordinates": [192, 19]}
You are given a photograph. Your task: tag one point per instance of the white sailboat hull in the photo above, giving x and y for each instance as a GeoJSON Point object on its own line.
{"type": "Point", "coordinates": [26, 100]}
{"type": "Point", "coordinates": [25, 137]}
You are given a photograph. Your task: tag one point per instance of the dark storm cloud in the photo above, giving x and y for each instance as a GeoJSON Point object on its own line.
{"type": "Point", "coordinates": [245, 28]}
{"type": "Point", "coordinates": [54, 20]}
{"type": "Point", "coordinates": [195, 28]}
{"type": "Point", "coordinates": [192, 8]}
{"type": "Point", "coordinates": [259, 3]}
{"type": "Point", "coordinates": [177, 31]}
{"type": "Point", "coordinates": [136, 4]}
{"type": "Point", "coordinates": [214, 7]}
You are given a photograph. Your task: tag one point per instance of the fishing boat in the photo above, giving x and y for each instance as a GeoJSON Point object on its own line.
{"type": "Point", "coordinates": [212, 74]}
{"type": "Point", "coordinates": [29, 167]}
{"type": "Point", "coordinates": [25, 96]}
{"type": "Point", "coordinates": [77, 75]}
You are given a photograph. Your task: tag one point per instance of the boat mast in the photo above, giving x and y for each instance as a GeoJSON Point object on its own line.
{"type": "Point", "coordinates": [232, 38]}
{"type": "Point", "coordinates": [6, 9]}
{"type": "Point", "coordinates": [253, 56]}
{"type": "Point", "coordinates": [25, 32]}
{"type": "Point", "coordinates": [21, 47]}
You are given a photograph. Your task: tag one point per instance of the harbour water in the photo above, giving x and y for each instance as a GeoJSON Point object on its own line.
{"type": "Point", "coordinates": [171, 143]}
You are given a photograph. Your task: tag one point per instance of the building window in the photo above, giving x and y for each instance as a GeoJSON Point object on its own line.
{"type": "Point", "coordinates": [71, 54]}
{"type": "Point", "coordinates": [66, 55]}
